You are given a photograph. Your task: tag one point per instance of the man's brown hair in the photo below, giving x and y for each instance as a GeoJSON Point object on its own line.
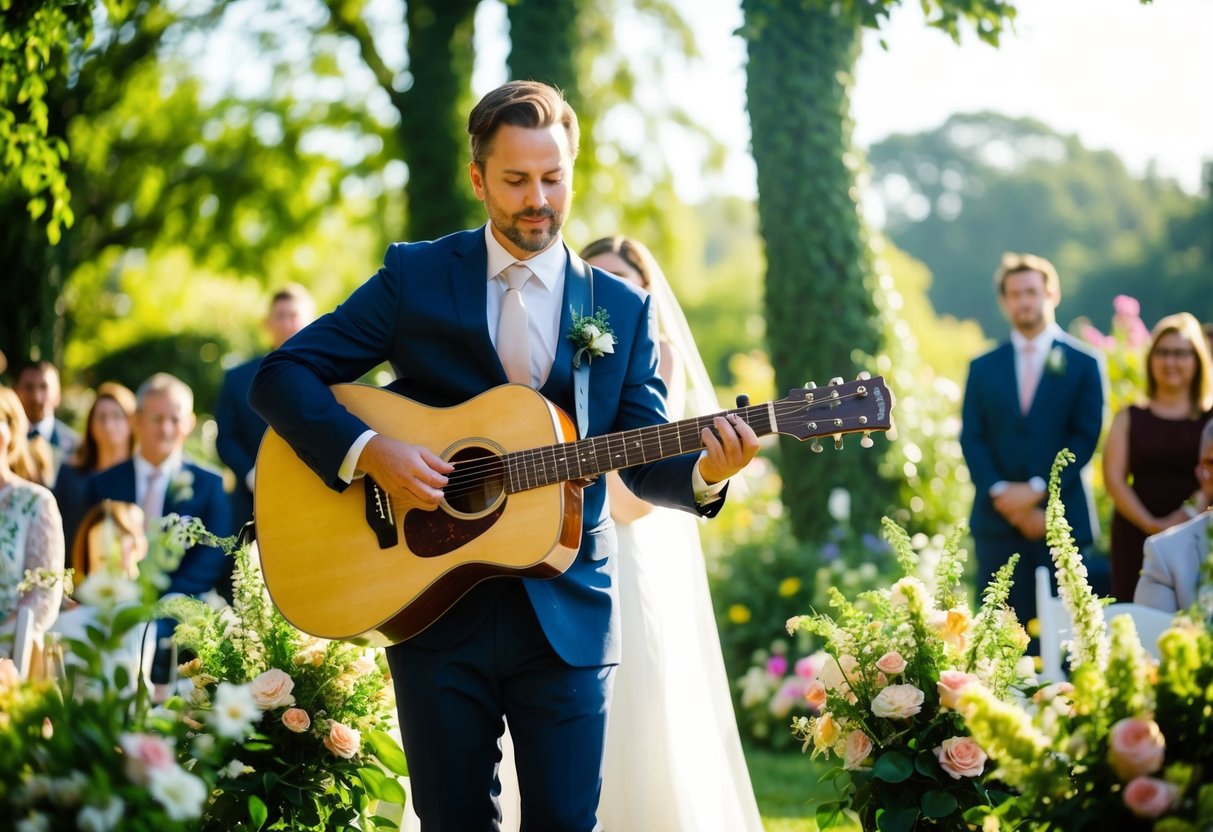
{"type": "Point", "coordinates": [1013, 263]}
{"type": "Point", "coordinates": [528, 104]}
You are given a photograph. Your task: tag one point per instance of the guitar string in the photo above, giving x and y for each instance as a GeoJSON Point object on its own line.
{"type": "Point", "coordinates": [471, 474]}
{"type": "Point", "coordinates": [522, 456]}
{"type": "Point", "coordinates": [493, 465]}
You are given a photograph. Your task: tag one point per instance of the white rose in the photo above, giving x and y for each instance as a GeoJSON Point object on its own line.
{"type": "Point", "coordinates": [602, 342]}
{"type": "Point", "coordinates": [898, 702]}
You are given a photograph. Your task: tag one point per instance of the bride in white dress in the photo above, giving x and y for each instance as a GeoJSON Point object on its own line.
{"type": "Point", "coordinates": [673, 755]}
{"type": "Point", "coordinates": [673, 758]}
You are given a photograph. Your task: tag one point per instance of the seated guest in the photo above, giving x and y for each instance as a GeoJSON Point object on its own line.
{"type": "Point", "coordinates": [161, 481]}
{"type": "Point", "coordinates": [110, 538]}
{"type": "Point", "coordinates": [108, 439]}
{"type": "Point", "coordinates": [1170, 575]}
{"type": "Point", "coordinates": [31, 533]}
{"type": "Point", "coordinates": [240, 429]}
{"type": "Point", "coordinates": [38, 388]}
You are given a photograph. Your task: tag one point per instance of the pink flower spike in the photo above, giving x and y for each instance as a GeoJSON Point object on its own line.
{"type": "Point", "coordinates": [777, 665]}
{"type": "Point", "coordinates": [808, 667]}
{"type": "Point", "coordinates": [1127, 306]}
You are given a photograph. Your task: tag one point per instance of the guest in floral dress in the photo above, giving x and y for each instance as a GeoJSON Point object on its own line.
{"type": "Point", "coordinates": [31, 533]}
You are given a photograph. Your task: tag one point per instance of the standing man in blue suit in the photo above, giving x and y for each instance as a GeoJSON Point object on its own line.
{"type": "Point", "coordinates": [39, 391]}
{"type": "Point", "coordinates": [445, 313]}
{"type": "Point", "coordinates": [1024, 401]}
{"type": "Point", "coordinates": [160, 480]}
{"type": "Point", "coordinates": [240, 428]}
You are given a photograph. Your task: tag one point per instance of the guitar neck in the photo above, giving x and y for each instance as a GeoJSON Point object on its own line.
{"type": "Point", "coordinates": [585, 458]}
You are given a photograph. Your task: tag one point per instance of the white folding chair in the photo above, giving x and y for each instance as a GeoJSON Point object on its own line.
{"type": "Point", "coordinates": [1055, 625]}
{"type": "Point", "coordinates": [23, 641]}
{"type": "Point", "coordinates": [1054, 622]}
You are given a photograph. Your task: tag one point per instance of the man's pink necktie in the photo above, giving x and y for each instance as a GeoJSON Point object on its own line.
{"type": "Point", "coordinates": [513, 336]}
{"type": "Point", "coordinates": [1027, 379]}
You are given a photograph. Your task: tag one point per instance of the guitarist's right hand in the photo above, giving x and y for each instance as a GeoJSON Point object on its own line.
{"type": "Point", "coordinates": [406, 470]}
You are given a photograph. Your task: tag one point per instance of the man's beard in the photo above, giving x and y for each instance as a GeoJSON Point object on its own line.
{"type": "Point", "coordinates": [536, 240]}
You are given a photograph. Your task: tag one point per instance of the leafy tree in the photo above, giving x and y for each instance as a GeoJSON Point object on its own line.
{"type": "Point", "coordinates": [821, 318]}
{"type": "Point", "coordinates": [431, 98]}
{"type": "Point", "coordinates": [983, 183]}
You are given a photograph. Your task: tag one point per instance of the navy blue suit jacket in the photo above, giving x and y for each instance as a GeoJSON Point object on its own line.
{"type": "Point", "coordinates": [1001, 443]}
{"type": "Point", "coordinates": [203, 567]}
{"type": "Point", "coordinates": [425, 312]}
{"type": "Point", "coordinates": [240, 433]}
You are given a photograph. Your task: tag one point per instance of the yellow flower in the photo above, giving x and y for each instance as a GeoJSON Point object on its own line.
{"type": "Point", "coordinates": [789, 587]}
{"type": "Point", "coordinates": [739, 613]}
{"type": "Point", "coordinates": [826, 731]}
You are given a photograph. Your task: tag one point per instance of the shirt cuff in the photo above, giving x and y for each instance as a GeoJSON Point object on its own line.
{"type": "Point", "coordinates": [349, 465]}
{"type": "Point", "coordinates": [1038, 485]}
{"type": "Point", "coordinates": [250, 478]}
{"type": "Point", "coordinates": [705, 494]}
{"type": "Point", "coordinates": [999, 488]}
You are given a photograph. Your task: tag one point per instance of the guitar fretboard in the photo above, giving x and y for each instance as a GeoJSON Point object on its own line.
{"type": "Point", "coordinates": [537, 467]}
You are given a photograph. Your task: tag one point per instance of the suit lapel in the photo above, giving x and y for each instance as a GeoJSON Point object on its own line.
{"type": "Point", "coordinates": [579, 296]}
{"type": "Point", "coordinates": [469, 290]}
{"type": "Point", "coordinates": [1048, 379]}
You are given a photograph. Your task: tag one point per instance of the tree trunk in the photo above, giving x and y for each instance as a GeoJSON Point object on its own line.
{"type": "Point", "coordinates": [820, 313]}
{"type": "Point", "coordinates": [433, 113]}
{"type": "Point", "coordinates": [543, 44]}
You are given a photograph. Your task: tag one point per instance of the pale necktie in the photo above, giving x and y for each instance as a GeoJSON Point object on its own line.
{"type": "Point", "coordinates": [1027, 378]}
{"type": "Point", "coordinates": [513, 337]}
{"type": "Point", "coordinates": [153, 499]}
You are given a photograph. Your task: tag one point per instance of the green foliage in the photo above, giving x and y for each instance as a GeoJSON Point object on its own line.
{"type": "Point", "coordinates": [36, 41]}
{"type": "Point", "coordinates": [984, 183]}
{"type": "Point", "coordinates": [816, 252]}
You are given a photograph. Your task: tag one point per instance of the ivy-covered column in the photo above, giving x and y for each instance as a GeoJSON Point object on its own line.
{"type": "Point", "coordinates": [433, 118]}
{"type": "Point", "coordinates": [819, 309]}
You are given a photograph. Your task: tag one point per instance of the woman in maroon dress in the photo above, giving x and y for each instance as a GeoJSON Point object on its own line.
{"type": "Point", "coordinates": [1149, 454]}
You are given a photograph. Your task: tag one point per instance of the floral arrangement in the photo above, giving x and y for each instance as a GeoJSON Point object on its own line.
{"type": "Point", "coordinates": [1126, 743]}
{"type": "Point", "coordinates": [591, 335]}
{"type": "Point", "coordinates": [898, 659]}
{"type": "Point", "coordinates": [772, 690]}
{"type": "Point", "coordinates": [84, 748]}
{"type": "Point", "coordinates": [308, 718]}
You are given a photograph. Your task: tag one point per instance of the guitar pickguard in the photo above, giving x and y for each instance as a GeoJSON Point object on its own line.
{"type": "Point", "coordinates": [429, 534]}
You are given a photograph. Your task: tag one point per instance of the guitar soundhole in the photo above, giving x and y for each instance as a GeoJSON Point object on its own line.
{"type": "Point", "coordinates": [474, 498]}
{"type": "Point", "coordinates": [477, 483]}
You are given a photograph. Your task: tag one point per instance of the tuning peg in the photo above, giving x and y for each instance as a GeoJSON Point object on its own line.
{"type": "Point", "coordinates": [815, 447]}
{"type": "Point", "coordinates": [864, 375]}
{"type": "Point", "coordinates": [743, 400]}
{"type": "Point", "coordinates": [866, 442]}
{"type": "Point", "coordinates": [835, 381]}
{"type": "Point", "coordinates": [810, 385]}
{"type": "Point", "coordinates": [838, 441]}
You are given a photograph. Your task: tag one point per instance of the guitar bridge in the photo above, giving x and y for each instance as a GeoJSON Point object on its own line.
{"type": "Point", "coordinates": [379, 514]}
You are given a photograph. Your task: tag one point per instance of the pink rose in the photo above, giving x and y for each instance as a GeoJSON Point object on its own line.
{"type": "Point", "coordinates": [1148, 797]}
{"type": "Point", "coordinates": [1136, 747]}
{"type": "Point", "coordinates": [296, 719]}
{"type": "Point", "coordinates": [897, 702]}
{"type": "Point", "coordinates": [342, 740]}
{"type": "Point", "coordinates": [144, 753]}
{"type": "Point", "coordinates": [961, 757]}
{"type": "Point", "coordinates": [777, 665]}
{"type": "Point", "coordinates": [857, 750]}
{"type": "Point", "coordinates": [808, 667]}
{"type": "Point", "coordinates": [951, 684]}
{"type": "Point", "coordinates": [272, 689]}
{"type": "Point", "coordinates": [815, 695]}
{"type": "Point", "coordinates": [891, 663]}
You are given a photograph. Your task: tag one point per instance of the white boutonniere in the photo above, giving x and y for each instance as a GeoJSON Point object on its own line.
{"type": "Point", "coordinates": [591, 335]}
{"type": "Point", "coordinates": [181, 486]}
{"type": "Point", "coordinates": [1055, 363]}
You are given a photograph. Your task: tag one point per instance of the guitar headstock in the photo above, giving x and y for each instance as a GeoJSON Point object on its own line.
{"type": "Point", "coordinates": [861, 406]}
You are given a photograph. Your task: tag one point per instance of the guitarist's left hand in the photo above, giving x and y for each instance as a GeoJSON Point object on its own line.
{"type": "Point", "coordinates": [729, 448]}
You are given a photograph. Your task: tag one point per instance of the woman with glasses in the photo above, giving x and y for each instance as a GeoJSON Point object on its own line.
{"type": "Point", "coordinates": [1147, 461]}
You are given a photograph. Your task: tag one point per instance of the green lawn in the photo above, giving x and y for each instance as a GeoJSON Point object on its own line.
{"type": "Point", "coordinates": [786, 785]}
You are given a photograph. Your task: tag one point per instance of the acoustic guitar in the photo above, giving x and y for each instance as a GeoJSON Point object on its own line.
{"type": "Point", "coordinates": [374, 568]}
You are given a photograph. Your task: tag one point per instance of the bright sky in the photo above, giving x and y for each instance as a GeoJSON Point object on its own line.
{"type": "Point", "coordinates": [1130, 78]}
